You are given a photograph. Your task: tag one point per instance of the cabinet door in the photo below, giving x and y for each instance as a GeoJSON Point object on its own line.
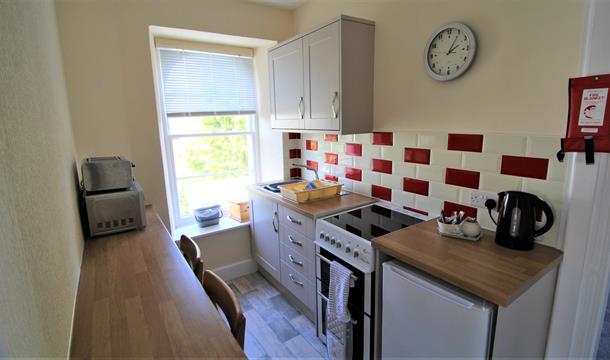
{"type": "Point", "coordinates": [264, 222]}
{"type": "Point", "coordinates": [286, 86]}
{"type": "Point", "coordinates": [322, 78]}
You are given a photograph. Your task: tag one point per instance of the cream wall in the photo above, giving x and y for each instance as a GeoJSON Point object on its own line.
{"type": "Point", "coordinates": [40, 237]}
{"type": "Point", "coordinates": [518, 83]}
{"type": "Point", "coordinates": [109, 75]}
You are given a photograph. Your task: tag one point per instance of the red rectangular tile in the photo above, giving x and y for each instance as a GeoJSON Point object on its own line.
{"type": "Point", "coordinates": [381, 192]}
{"type": "Point", "coordinates": [295, 172]}
{"type": "Point", "coordinates": [383, 138]}
{"type": "Point", "coordinates": [415, 186]}
{"type": "Point", "coordinates": [292, 136]}
{"type": "Point", "coordinates": [311, 145]}
{"type": "Point", "coordinates": [331, 137]}
{"type": "Point", "coordinates": [418, 156]}
{"type": "Point", "coordinates": [465, 178]}
{"type": "Point", "coordinates": [353, 149]}
{"type": "Point", "coordinates": [312, 164]}
{"type": "Point", "coordinates": [331, 158]}
{"type": "Point", "coordinates": [331, 178]}
{"type": "Point", "coordinates": [450, 207]}
{"type": "Point", "coordinates": [525, 166]}
{"type": "Point", "coordinates": [295, 153]}
{"type": "Point", "coordinates": [353, 173]}
{"type": "Point", "coordinates": [383, 166]}
{"type": "Point", "coordinates": [415, 210]}
{"type": "Point", "coordinates": [465, 142]}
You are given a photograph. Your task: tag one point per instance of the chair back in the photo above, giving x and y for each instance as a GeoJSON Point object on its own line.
{"type": "Point", "coordinates": [191, 253]}
{"type": "Point", "coordinates": [223, 297]}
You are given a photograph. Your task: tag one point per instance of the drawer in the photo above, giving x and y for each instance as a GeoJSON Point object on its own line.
{"type": "Point", "coordinates": [298, 262]}
{"type": "Point", "coordinates": [297, 221]}
{"type": "Point", "coordinates": [298, 242]}
{"type": "Point", "coordinates": [298, 285]}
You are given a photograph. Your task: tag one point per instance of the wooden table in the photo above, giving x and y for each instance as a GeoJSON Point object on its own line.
{"type": "Point", "coordinates": [137, 297]}
{"type": "Point", "coordinates": [495, 273]}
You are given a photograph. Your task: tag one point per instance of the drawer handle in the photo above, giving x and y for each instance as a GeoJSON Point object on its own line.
{"type": "Point", "coordinates": [292, 240]}
{"type": "Point", "coordinates": [294, 221]}
{"type": "Point", "coordinates": [295, 281]}
{"type": "Point", "coordinates": [292, 260]}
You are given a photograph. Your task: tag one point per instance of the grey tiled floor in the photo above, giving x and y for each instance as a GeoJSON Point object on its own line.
{"type": "Point", "coordinates": [274, 328]}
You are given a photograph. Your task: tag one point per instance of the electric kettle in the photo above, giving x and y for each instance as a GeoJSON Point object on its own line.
{"type": "Point", "coordinates": [516, 227]}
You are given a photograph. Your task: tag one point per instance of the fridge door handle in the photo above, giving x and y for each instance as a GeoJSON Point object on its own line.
{"type": "Point", "coordinates": [436, 290]}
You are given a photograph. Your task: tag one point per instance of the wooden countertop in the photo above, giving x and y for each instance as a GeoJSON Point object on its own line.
{"type": "Point", "coordinates": [137, 297]}
{"type": "Point", "coordinates": [320, 208]}
{"type": "Point", "coordinates": [495, 273]}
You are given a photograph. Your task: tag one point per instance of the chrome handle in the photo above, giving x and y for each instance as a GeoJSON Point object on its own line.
{"type": "Point", "coordinates": [332, 104]}
{"type": "Point", "coordinates": [322, 258]}
{"type": "Point", "coordinates": [296, 281]}
{"type": "Point", "coordinates": [273, 221]}
{"type": "Point", "coordinates": [292, 260]}
{"type": "Point", "coordinates": [292, 240]}
{"type": "Point", "coordinates": [294, 221]}
{"type": "Point", "coordinates": [301, 115]}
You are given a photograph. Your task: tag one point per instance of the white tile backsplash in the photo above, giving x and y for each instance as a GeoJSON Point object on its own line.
{"type": "Point", "coordinates": [504, 144]}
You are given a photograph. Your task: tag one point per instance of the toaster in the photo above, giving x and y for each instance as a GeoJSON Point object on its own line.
{"type": "Point", "coordinates": [106, 173]}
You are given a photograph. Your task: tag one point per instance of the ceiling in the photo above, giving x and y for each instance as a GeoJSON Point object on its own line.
{"type": "Point", "coordinates": [284, 4]}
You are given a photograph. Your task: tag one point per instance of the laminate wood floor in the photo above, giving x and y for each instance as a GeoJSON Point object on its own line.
{"type": "Point", "coordinates": [274, 328]}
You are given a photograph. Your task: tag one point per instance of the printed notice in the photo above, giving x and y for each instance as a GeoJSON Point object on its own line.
{"type": "Point", "coordinates": [593, 107]}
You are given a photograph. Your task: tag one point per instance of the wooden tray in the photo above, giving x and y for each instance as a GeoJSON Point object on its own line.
{"type": "Point", "coordinates": [299, 193]}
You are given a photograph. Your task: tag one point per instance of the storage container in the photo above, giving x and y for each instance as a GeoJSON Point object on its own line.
{"type": "Point", "coordinates": [300, 193]}
{"type": "Point", "coordinates": [208, 215]}
{"type": "Point", "coordinates": [239, 210]}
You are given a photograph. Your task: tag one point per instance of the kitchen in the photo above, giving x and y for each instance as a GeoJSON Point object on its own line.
{"type": "Point", "coordinates": [469, 135]}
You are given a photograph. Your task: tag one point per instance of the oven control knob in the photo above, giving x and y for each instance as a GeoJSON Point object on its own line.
{"type": "Point", "coordinates": [338, 244]}
{"type": "Point", "coordinates": [321, 235]}
{"type": "Point", "coordinates": [348, 249]}
{"type": "Point", "coordinates": [327, 238]}
{"type": "Point", "coordinates": [356, 253]}
{"type": "Point", "coordinates": [332, 241]}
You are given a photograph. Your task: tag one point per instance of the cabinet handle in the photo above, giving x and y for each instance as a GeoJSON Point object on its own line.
{"type": "Point", "coordinates": [273, 221]}
{"type": "Point", "coordinates": [301, 115]}
{"type": "Point", "coordinates": [295, 281]}
{"type": "Point", "coordinates": [332, 104]}
{"type": "Point", "coordinates": [294, 221]}
{"type": "Point", "coordinates": [292, 260]}
{"type": "Point", "coordinates": [292, 240]}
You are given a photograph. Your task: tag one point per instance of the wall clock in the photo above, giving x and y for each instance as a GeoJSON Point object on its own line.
{"type": "Point", "coordinates": [450, 51]}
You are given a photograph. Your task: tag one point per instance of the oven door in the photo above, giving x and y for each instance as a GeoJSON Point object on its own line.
{"type": "Point", "coordinates": [360, 340]}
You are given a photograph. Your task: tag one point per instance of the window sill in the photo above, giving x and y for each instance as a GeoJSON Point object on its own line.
{"type": "Point", "coordinates": [196, 232]}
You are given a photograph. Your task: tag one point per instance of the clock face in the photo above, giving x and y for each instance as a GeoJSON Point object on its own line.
{"type": "Point", "coordinates": [450, 51]}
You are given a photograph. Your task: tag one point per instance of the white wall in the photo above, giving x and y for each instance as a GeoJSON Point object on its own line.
{"type": "Point", "coordinates": [40, 237]}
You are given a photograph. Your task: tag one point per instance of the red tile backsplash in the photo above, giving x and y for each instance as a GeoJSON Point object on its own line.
{"type": "Point", "coordinates": [295, 172]}
{"type": "Point", "coordinates": [311, 145]}
{"type": "Point", "coordinates": [415, 210]}
{"type": "Point", "coordinates": [312, 164]}
{"type": "Point", "coordinates": [418, 156]}
{"type": "Point", "coordinates": [331, 158]}
{"type": "Point", "coordinates": [295, 153]}
{"type": "Point", "coordinates": [331, 137]}
{"type": "Point", "coordinates": [353, 149]}
{"type": "Point", "coordinates": [415, 186]}
{"type": "Point", "coordinates": [450, 207]}
{"type": "Point", "coordinates": [383, 166]}
{"type": "Point", "coordinates": [331, 178]}
{"type": "Point", "coordinates": [465, 142]}
{"type": "Point", "coordinates": [353, 173]}
{"type": "Point", "coordinates": [381, 192]}
{"type": "Point", "coordinates": [465, 178]}
{"type": "Point", "coordinates": [383, 138]}
{"type": "Point", "coordinates": [525, 166]}
{"type": "Point", "coordinates": [292, 136]}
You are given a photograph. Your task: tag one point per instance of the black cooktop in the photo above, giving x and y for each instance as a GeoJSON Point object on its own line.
{"type": "Point", "coordinates": [372, 221]}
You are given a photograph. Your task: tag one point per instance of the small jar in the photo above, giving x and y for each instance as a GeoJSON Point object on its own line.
{"type": "Point", "coordinates": [471, 228]}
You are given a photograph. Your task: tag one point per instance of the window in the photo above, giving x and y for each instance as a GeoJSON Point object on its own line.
{"type": "Point", "coordinates": [209, 103]}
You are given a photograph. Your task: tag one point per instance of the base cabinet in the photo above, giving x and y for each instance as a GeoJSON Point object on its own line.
{"type": "Point", "coordinates": [264, 224]}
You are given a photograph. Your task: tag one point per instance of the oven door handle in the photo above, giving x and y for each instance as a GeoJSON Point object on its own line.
{"type": "Point", "coordinates": [354, 278]}
{"type": "Point", "coordinates": [326, 299]}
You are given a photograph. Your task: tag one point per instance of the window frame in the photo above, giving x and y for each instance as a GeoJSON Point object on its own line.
{"type": "Point", "coordinates": [169, 159]}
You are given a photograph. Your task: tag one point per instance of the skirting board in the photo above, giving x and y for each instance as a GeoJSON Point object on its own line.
{"type": "Point", "coordinates": [235, 270]}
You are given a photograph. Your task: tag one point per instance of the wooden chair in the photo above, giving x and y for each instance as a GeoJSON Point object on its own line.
{"type": "Point", "coordinates": [191, 253]}
{"type": "Point", "coordinates": [223, 297]}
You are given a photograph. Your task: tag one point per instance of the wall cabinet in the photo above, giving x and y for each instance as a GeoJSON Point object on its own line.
{"type": "Point", "coordinates": [322, 80]}
{"type": "Point", "coordinates": [264, 223]}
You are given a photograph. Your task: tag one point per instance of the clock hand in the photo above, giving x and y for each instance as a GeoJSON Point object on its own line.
{"type": "Point", "coordinates": [451, 47]}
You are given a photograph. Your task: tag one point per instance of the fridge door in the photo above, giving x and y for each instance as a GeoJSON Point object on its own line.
{"type": "Point", "coordinates": [422, 317]}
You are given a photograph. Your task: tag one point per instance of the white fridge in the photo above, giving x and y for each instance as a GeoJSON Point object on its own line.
{"type": "Point", "coordinates": [423, 317]}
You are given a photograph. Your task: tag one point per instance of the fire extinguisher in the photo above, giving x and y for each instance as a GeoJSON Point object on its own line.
{"type": "Point", "coordinates": [588, 127]}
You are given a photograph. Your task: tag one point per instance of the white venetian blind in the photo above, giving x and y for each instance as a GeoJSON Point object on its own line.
{"type": "Point", "coordinates": [200, 83]}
